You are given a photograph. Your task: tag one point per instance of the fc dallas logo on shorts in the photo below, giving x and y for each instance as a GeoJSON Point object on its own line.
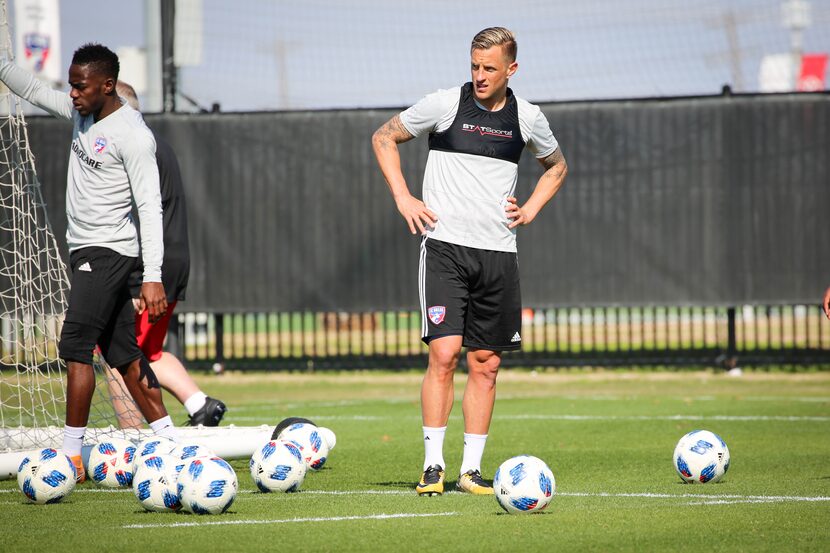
{"type": "Point", "coordinates": [436, 314]}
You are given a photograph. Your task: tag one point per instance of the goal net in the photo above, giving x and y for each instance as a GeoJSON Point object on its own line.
{"type": "Point", "coordinates": [33, 296]}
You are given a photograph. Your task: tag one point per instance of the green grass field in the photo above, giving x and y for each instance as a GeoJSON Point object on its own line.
{"type": "Point", "coordinates": [607, 436]}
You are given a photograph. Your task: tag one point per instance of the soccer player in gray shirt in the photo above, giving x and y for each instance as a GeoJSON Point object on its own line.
{"type": "Point", "coordinates": [112, 163]}
{"type": "Point", "coordinates": [468, 271]}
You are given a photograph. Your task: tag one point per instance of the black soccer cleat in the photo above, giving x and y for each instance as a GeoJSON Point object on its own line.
{"type": "Point", "coordinates": [210, 414]}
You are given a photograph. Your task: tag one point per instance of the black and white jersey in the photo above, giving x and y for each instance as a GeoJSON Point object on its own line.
{"type": "Point", "coordinates": [112, 163]}
{"type": "Point", "coordinates": [472, 166]}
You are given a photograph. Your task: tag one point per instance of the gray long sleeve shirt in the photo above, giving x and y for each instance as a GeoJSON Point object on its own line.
{"type": "Point", "coordinates": [111, 163]}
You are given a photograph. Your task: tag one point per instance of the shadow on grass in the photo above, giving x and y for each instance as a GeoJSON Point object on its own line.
{"type": "Point", "coordinates": [400, 485]}
{"type": "Point", "coordinates": [449, 485]}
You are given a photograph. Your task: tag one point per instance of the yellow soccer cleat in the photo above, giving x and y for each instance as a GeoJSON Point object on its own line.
{"type": "Point", "coordinates": [471, 482]}
{"type": "Point", "coordinates": [432, 481]}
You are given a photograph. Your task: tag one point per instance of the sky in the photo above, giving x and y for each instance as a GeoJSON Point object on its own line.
{"type": "Point", "coordinates": [323, 54]}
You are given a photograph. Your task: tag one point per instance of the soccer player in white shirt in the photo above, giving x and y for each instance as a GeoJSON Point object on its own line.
{"type": "Point", "coordinates": [112, 163]}
{"type": "Point", "coordinates": [468, 270]}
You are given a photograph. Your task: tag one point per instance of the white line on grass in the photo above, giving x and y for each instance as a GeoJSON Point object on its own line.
{"type": "Point", "coordinates": [784, 418]}
{"type": "Point", "coordinates": [735, 418]}
{"type": "Point", "coordinates": [258, 406]}
{"type": "Point", "coordinates": [291, 520]}
{"type": "Point", "coordinates": [809, 399]}
{"type": "Point", "coordinates": [358, 492]}
{"type": "Point", "coordinates": [705, 499]}
{"type": "Point", "coordinates": [734, 501]}
{"type": "Point", "coordinates": [317, 418]}
{"type": "Point", "coordinates": [301, 492]}
{"type": "Point", "coordinates": [85, 490]}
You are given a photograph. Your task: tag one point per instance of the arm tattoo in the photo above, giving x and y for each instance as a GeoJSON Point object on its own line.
{"type": "Point", "coordinates": [553, 159]}
{"type": "Point", "coordinates": [394, 131]}
{"type": "Point", "coordinates": [555, 165]}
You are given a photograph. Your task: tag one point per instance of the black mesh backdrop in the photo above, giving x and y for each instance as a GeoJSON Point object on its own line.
{"type": "Point", "coordinates": [668, 202]}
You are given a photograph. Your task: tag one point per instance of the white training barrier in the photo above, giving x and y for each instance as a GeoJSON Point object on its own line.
{"type": "Point", "coordinates": [228, 442]}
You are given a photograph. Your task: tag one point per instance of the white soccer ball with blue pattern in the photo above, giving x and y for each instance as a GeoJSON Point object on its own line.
{"type": "Point", "coordinates": [278, 466]}
{"type": "Point", "coordinates": [310, 441]}
{"type": "Point", "coordinates": [152, 446]}
{"type": "Point", "coordinates": [328, 436]}
{"type": "Point", "coordinates": [701, 457]}
{"type": "Point", "coordinates": [46, 476]}
{"type": "Point", "coordinates": [207, 486]}
{"type": "Point", "coordinates": [189, 451]}
{"type": "Point", "coordinates": [111, 463]}
{"type": "Point", "coordinates": [524, 484]}
{"type": "Point", "coordinates": [155, 483]}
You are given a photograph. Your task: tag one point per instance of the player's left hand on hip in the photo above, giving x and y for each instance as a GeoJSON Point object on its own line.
{"type": "Point", "coordinates": [516, 213]}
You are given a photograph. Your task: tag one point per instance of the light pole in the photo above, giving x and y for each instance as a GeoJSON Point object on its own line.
{"type": "Point", "coordinates": [795, 16]}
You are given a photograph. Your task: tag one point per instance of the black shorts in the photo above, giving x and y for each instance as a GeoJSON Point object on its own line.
{"type": "Point", "coordinates": [471, 293]}
{"type": "Point", "coordinates": [100, 308]}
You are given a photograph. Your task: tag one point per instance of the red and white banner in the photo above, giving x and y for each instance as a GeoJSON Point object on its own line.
{"type": "Point", "coordinates": [38, 38]}
{"type": "Point", "coordinates": [778, 75]}
{"type": "Point", "coordinates": [812, 75]}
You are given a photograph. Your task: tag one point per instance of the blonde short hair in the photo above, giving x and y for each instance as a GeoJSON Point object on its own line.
{"type": "Point", "coordinates": [496, 36]}
{"type": "Point", "coordinates": [126, 91]}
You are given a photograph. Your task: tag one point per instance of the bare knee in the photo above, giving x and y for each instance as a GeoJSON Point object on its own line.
{"type": "Point", "coordinates": [129, 371]}
{"type": "Point", "coordinates": [484, 365]}
{"type": "Point", "coordinates": [443, 360]}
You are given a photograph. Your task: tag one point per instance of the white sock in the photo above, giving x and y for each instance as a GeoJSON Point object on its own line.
{"type": "Point", "coordinates": [434, 446]}
{"type": "Point", "coordinates": [164, 427]}
{"type": "Point", "coordinates": [73, 440]}
{"type": "Point", "coordinates": [195, 402]}
{"type": "Point", "coordinates": [473, 450]}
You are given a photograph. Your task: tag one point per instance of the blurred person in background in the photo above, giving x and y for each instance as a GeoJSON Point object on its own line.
{"type": "Point", "coordinates": [171, 373]}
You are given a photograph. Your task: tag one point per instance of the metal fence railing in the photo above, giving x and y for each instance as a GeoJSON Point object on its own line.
{"type": "Point", "coordinates": [715, 336]}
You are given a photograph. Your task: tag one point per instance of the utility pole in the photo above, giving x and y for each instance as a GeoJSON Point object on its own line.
{"type": "Point", "coordinates": [168, 60]}
{"type": "Point", "coordinates": [730, 25]}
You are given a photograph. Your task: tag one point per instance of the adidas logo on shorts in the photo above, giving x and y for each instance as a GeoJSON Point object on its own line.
{"type": "Point", "coordinates": [516, 338]}
{"type": "Point", "coordinates": [85, 267]}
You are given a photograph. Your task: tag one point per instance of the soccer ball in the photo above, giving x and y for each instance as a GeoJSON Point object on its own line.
{"type": "Point", "coordinates": [701, 456]}
{"type": "Point", "coordinates": [150, 447]}
{"type": "Point", "coordinates": [524, 484]}
{"type": "Point", "coordinates": [308, 438]}
{"type": "Point", "coordinates": [278, 466]}
{"type": "Point", "coordinates": [207, 486]}
{"type": "Point", "coordinates": [111, 462]}
{"type": "Point", "coordinates": [326, 433]}
{"type": "Point", "coordinates": [155, 483]}
{"type": "Point", "coordinates": [46, 476]}
{"type": "Point", "coordinates": [188, 452]}
{"type": "Point", "coordinates": [328, 436]}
